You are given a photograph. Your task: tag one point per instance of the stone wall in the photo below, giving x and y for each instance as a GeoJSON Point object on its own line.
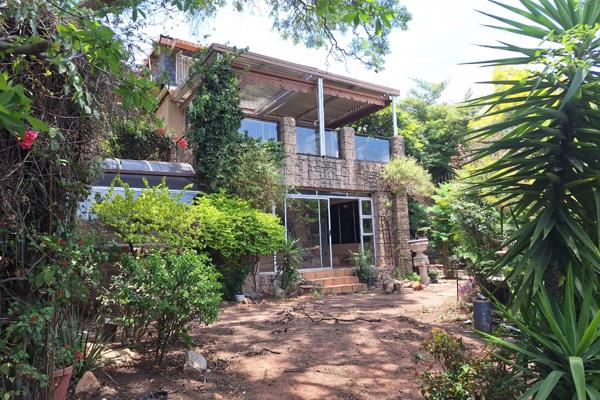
{"type": "Point", "coordinates": [349, 175]}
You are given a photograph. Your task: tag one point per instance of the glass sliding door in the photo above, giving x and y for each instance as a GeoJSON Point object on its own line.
{"type": "Point", "coordinates": [307, 220]}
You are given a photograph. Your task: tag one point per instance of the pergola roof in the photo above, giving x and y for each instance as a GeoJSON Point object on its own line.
{"type": "Point", "coordinates": [272, 88]}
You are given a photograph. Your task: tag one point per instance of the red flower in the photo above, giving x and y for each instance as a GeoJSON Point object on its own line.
{"type": "Point", "coordinates": [162, 131]}
{"type": "Point", "coordinates": [27, 140]}
{"type": "Point", "coordinates": [62, 242]}
{"type": "Point", "coordinates": [34, 318]}
{"type": "Point", "coordinates": [183, 144]}
{"type": "Point", "coordinates": [78, 355]}
{"type": "Point", "coordinates": [65, 263]}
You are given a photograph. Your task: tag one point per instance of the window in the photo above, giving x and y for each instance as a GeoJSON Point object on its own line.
{"type": "Point", "coordinates": [372, 148]}
{"type": "Point", "coordinates": [307, 142]}
{"type": "Point", "coordinates": [182, 67]}
{"type": "Point", "coordinates": [259, 130]}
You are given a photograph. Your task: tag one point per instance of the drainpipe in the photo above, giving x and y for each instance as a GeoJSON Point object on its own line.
{"type": "Point", "coordinates": [322, 150]}
{"type": "Point", "coordinates": [395, 120]}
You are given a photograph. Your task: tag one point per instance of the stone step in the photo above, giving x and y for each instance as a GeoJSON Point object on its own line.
{"type": "Point", "coordinates": [327, 273]}
{"type": "Point", "coordinates": [339, 289]}
{"type": "Point", "coordinates": [334, 281]}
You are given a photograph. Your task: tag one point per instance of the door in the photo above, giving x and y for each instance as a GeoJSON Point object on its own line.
{"type": "Point", "coordinates": [367, 227]}
{"type": "Point", "coordinates": [307, 220]}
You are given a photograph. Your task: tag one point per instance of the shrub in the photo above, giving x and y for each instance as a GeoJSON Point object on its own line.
{"type": "Point", "coordinates": [139, 137]}
{"type": "Point", "coordinates": [413, 277]}
{"type": "Point", "coordinates": [463, 377]}
{"type": "Point", "coordinates": [405, 174]}
{"type": "Point", "coordinates": [167, 289]}
{"type": "Point", "coordinates": [289, 261]}
{"type": "Point", "coordinates": [362, 262]}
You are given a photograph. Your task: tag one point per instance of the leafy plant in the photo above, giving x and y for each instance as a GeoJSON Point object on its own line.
{"type": "Point", "coordinates": [167, 289]}
{"type": "Point", "coordinates": [413, 277]}
{"type": "Point", "coordinates": [362, 261]}
{"type": "Point", "coordinates": [463, 376]}
{"type": "Point", "coordinates": [228, 160]}
{"type": "Point", "coordinates": [405, 174]}
{"type": "Point", "coordinates": [140, 137]}
{"type": "Point", "coordinates": [545, 171]}
{"type": "Point", "coordinates": [289, 262]}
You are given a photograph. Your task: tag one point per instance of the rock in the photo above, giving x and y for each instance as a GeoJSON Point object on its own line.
{"type": "Point", "coordinates": [397, 285]}
{"type": "Point", "coordinates": [418, 286]}
{"type": "Point", "coordinates": [88, 385]}
{"type": "Point", "coordinates": [195, 360]}
{"type": "Point", "coordinates": [118, 357]}
{"type": "Point", "coordinates": [388, 287]}
{"type": "Point", "coordinates": [247, 301]}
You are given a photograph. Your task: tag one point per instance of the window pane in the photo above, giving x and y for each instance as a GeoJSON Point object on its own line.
{"type": "Point", "coordinates": [369, 245]}
{"type": "Point", "coordinates": [372, 149]}
{"type": "Point", "coordinates": [259, 130]}
{"type": "Point", "coordinates": [367, 225]}
{"type": "Point", "coordinates": [332, 146]}
{"type": "Point", "coordinates": [366, 207]}
{"type": "Point", "coordinates": [306, 141]}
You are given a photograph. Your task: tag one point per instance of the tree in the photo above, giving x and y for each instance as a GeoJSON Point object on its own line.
{"type": "Point", "coordinates": [546, 170]}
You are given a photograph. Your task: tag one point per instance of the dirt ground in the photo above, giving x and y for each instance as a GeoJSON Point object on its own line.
{"type": "Point", "coordinates": [361, 346]}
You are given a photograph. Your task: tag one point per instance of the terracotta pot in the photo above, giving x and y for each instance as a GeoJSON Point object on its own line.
{"type": "Point", "coordinates": [62, 378]}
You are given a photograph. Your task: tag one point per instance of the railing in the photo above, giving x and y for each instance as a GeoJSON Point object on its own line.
{"type": "Point", "coordinates": [307, 142]}
{"type": "Point", "coordinates": [259, 130]}
{"type": "Point", "coordinates": [370, 148]}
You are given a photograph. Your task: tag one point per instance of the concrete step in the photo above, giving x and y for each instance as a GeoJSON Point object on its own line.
{"type": "Point", "coordinates": [334, 281]}
{"type": "Point", "coordinates": [339, 289]}
{"type": "Point", "coordinates": [327, 273]}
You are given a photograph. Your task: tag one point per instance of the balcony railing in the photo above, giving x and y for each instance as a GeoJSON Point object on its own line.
{"type": "Point", "coordinates": [370, 148]}
{"type": "Point", "coordinates": [307, 142]}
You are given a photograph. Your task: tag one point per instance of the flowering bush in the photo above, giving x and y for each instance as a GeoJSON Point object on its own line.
{"type": "Point", "coordinates": [27, 140]}
{"type": "Point", "coordinates": [467, 292]}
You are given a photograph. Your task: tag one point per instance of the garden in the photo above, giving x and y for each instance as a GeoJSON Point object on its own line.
{"type": "Point", "coordinates": [138, 299]}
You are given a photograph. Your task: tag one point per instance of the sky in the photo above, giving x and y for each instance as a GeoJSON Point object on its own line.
{"type": "Point", "coordinates": [442, 35]}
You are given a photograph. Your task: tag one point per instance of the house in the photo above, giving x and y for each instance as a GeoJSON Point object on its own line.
{"type": "Point", "coordinates": [335, 201]}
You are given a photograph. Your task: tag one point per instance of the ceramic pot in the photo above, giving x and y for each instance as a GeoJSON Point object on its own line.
{"type": "Point", "coordinates": [61, 380]}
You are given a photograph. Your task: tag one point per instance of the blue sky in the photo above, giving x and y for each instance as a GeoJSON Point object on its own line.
{"type": "Point", "coordinates": [442, 35]}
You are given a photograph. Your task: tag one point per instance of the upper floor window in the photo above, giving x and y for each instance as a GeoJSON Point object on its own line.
{"type": "Point", "coordinates": [182, 67]}
{"type": "Point", "coordinates": [370, 148]}
{"type": "Point", "coordinates": [307, 142]}
{"type": "Point", "coordinates": [259, 130]}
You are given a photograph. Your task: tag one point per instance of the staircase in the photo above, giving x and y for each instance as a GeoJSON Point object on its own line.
{"type": "Point", "coordinates": [333, 281]}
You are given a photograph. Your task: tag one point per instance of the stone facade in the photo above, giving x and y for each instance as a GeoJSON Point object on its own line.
{"type": "Point", "coordinates": [350, 175]}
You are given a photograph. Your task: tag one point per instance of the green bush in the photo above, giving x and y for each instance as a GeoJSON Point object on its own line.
{"type": "Point", "coordinates": [405, 174]}
{"type": "Point", "coordinates": [289, 262]}
{"type": "Point", "coordinates": [139, 137]}
{"type": "Point", "coordinates": [167, 289]}
{"type": "Point", "coordinates": [227, 228]}
{"type": "Point", "coordinates": [463, 377]}
{"type": "Point", "coordinates": [364, 269]}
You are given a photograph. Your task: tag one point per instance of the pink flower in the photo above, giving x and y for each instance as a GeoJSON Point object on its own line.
{"type": "Point", "coordinates": [27, 140]}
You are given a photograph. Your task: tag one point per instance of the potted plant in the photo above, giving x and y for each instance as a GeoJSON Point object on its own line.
{"type": "Point", "coordinates": [63, 371]}
{"type": "Point", "coordinates": [433, 275]}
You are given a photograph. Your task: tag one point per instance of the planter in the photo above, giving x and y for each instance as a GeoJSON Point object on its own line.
{"type": "Point", "coordinates": [433, 278]}
{"type": "Point", "coordinates": [61, 380]}
{"type": "Point", "coordinates": [418, 245]}
{"type": "Point", "coordinates": [240, 298]}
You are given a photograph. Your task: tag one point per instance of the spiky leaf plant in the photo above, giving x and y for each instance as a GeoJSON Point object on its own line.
{"type": "Point", "coordinates": [546, 171]}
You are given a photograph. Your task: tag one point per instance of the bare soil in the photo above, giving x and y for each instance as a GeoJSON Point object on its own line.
{"type": "Point", "coordinates": [361, 346]}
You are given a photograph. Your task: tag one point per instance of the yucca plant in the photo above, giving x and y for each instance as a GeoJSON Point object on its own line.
{"type": "Point", "coordinates": [546, 172]}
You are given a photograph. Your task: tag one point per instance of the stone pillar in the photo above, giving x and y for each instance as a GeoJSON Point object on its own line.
{"type": "Point", "coordinates": [287, 135]}
{"type": "Point", "coordinates": [397, 145]}
{"type": "Point", "coordinates": [401, 233]}
{"type": "Point", "coordinates": [347, 144]}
